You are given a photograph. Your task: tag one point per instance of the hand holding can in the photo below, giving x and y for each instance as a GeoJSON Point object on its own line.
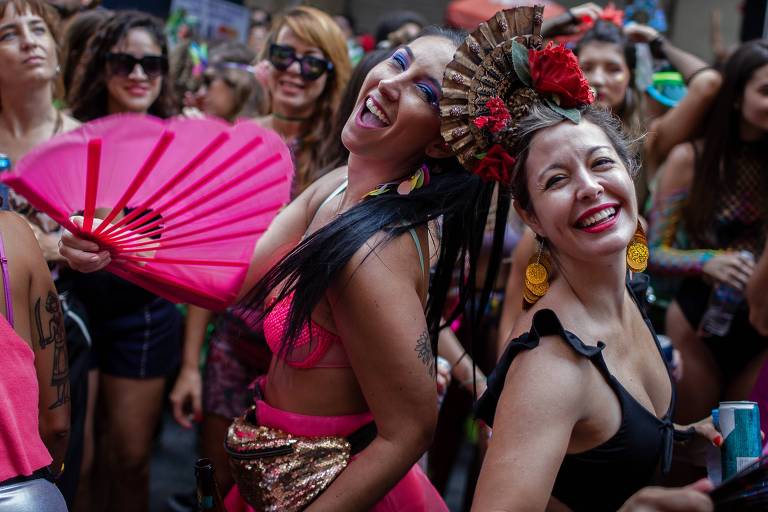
{"type": "Point", "coordinates": [739, 423]}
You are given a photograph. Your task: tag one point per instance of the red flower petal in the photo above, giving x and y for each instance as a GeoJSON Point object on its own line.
{"type": "Point", "coordinates": [555, 70]}
{"type": "Point", "coordinates": [496, 165]}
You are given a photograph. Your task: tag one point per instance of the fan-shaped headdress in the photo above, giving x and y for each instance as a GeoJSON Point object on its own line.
{"type": "Point", "coordinates": [495, 77]}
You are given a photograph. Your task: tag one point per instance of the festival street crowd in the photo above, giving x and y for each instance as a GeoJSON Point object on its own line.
{"type": "Point", "coordinates": [542, 237]}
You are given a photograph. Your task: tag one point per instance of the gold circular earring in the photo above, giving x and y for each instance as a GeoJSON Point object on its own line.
{"type": "Point", "coordinates": [637, 250]}
{"type": "Point", "coordinates": [537, 274]}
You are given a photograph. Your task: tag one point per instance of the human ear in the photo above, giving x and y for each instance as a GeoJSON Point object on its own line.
{"type": "Point", "coordinates": [438, 149]}
{"type": "Point", "coordinates": [529, 218]}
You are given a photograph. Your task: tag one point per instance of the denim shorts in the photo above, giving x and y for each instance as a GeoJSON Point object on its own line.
{"type": "Point", "coordinates": [142, 343]}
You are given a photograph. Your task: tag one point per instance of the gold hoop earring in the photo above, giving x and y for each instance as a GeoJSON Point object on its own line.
{"type": "Point", "coordinates": [536, 277]}
{"type": "Point", "coordinates": [637, 250]}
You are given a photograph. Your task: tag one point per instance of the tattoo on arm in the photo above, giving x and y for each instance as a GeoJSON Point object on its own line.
{"type": "Point", "coordinates": [55, 336]}
{"type": "Point", "coordinates": [424, 351]}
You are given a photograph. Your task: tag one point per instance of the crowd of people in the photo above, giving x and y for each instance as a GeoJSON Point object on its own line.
{"type": "Point", "coordinates": [511, 200]}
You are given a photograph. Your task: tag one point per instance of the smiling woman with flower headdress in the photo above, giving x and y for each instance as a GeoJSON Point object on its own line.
{"type": "Point", "coordinates": [581, 401]}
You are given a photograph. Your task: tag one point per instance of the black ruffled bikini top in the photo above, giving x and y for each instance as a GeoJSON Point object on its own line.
{"type": "Point", "coordinates": [604, 477]}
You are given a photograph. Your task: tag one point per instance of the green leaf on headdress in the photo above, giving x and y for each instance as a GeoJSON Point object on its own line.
{"type": "Point", "coordinates": [571, 114]}
{"type": "Point", "coordinates": [482, 155]}
{"type": "Point", "coordinates": [519, 54]}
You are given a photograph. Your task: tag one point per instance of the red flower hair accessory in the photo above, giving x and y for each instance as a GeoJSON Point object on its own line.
{"type": "Point", "coordinates": [495, 165]}
{"type": "Point", "coordinates": [555, 70]}
{"type": "Point", "coordinates": [499, 116]}
{"type": "Point", "coordinates": [609, 13]}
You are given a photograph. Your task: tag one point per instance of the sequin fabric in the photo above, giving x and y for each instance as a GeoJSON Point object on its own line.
{"type": "Point", "coordinates": [285, 482]}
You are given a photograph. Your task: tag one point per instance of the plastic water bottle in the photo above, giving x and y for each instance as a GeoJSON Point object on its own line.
{"type": "Point", "coordinates": [723, 304]}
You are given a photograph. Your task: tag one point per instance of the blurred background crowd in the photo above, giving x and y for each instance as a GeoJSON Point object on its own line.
{"type": "Point", "coordinates": [687, 78]}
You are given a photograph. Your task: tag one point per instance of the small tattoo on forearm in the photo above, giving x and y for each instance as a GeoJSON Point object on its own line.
{"type": "Point", "coordinates": [424, 351]}
{"type": "Point", "coordinates": [60, 372]}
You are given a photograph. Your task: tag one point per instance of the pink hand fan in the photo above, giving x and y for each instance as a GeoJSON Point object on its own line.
{"type": "Point", "coordinates": [183, 201]}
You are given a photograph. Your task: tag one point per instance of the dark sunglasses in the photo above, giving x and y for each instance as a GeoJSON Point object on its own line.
{"type": "Point", "coordinates": [123, 64]}
{"type": "Point", "coordinates": [209, 78]}
{"type": "Point", "coordinates": [311, 67]}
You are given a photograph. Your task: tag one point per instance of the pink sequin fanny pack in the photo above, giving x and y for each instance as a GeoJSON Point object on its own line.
{"type": "Point", "coordinates": [277, 471]}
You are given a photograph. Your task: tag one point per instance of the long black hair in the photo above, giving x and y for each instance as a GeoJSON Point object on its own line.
{"type": "Point", "coordinates": [89, 96]}
{"type": "Point", "coordinates": [721, 139]}
{"type": "Point", "coordinates": [455, 199]}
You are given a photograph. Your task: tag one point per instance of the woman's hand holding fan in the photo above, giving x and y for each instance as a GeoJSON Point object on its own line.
{"type": "Point", "coordinates": [185, 200]}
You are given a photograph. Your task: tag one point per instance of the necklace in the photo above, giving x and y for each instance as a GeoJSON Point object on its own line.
{"type": "Point", "coordinates": [404, 187]}
{"type": "Point", "coordinates": [292, 119]}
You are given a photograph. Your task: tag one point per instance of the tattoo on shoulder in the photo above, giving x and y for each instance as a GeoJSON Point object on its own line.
{"type": "Point", "coordinates": [424, 351]}
{"type": "Point", "coordinates": [54, 336]}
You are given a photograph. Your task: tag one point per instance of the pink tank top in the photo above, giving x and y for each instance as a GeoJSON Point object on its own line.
{"type": "Point", "coordinates": [22, 452]}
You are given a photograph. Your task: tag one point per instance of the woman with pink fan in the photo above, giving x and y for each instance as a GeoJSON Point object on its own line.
{"type": "Point", "coordinates": [305, 87]}
{"type": "Point", "coordinates": [353, 363]}
{"type": "Point", "coordinates": [135, 333]}
{"type": "Point", "coordinates": [207, 205]}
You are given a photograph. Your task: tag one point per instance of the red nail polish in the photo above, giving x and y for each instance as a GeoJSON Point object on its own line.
{"type": "Point", "coordinates": [718, 441]}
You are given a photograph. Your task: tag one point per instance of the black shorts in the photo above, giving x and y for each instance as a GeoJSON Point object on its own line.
{"type": "Point", "coordinates": [732, 352]}
{"type": "Point", "coordinates": [140, 343]}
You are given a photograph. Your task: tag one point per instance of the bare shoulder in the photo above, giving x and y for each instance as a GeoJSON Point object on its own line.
{"type": "Point", "coordinates": [16, 231]}
{"type": "Point", "coordinates": [385, 263]}
{"type": "Point", "coordinates": [551, 378]}
{"type": "Point", "coordinates": [20, 244]}
{"type": "Point", "coordinates": [323, 187]}
{"type": "Point", "coordinates": [678, 169]}
{"type": "Point", "coordinates": [331, 180]}
{"type": "Point", "coordinates": [554, 361]}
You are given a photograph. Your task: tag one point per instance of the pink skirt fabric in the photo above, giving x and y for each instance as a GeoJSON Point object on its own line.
{"type": "Point", "coordinates": [414, 493]}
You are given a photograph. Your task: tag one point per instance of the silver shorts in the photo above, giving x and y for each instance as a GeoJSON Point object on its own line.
{"type": "Point", "coordinates": [34, 495]}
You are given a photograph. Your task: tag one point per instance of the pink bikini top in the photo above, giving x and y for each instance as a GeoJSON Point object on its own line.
{"type": "Point", "coordinates": [316, 346]}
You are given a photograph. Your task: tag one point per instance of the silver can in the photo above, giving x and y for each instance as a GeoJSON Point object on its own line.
{"type": "Point", "coordinates": [739, 424]}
